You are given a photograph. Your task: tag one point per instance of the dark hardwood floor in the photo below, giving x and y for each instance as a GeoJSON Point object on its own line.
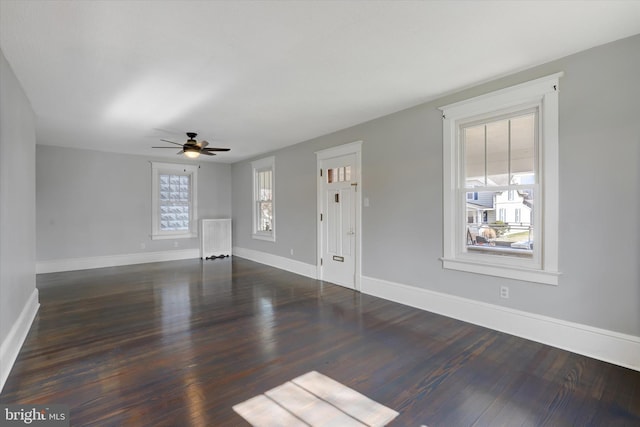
{"type": "Point", "coordinates": [179, 343]}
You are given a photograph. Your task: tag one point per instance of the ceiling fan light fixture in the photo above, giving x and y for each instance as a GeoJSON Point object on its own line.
{"type": "Point", "coordinates": [192, 154]}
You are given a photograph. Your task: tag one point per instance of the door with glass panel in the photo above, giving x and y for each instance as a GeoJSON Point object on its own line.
{"type": "Point", "coordinates": [338, 220]}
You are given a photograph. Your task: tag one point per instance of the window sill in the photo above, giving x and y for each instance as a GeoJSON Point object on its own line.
{"type": "Point", "coordinates": [509, 272]}
{"type": "Point", "coordinates": [173, 236]}
{"type": "Point", "coordinates": [266, 237]}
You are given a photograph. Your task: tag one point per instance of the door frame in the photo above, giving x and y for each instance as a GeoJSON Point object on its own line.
{"type": "Point", "coordinates": [329, 153]}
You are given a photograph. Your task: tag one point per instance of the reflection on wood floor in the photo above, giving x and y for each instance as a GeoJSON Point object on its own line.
{"type": "Point", "coordinates": [180, 343]}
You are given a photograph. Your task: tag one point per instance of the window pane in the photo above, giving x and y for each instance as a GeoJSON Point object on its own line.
{"type": "Point", "coordinates": [498, 153]}
{"type": "Point", "coordinates": [523, 143]}
{"type": "Point", "coordinates": [497, 225]}
{"type": "Point", "coordinates": [502, 214]}
{"type": "Point", "coordinates": [264, 185]}
{"type": "Point", "coordinates": [474, 165]}
{"type": "Point", "coordinates": [265, 216]}
{"type": "Point", "coordinates": [340, 174]}
{"type": "Point", "coordinates": [175, 198]}
{"type": "Point", "coordinates": [264, 204]}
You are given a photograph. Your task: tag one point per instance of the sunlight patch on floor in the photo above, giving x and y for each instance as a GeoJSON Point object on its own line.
{"type": "Point", "coordinates": [314, 400]}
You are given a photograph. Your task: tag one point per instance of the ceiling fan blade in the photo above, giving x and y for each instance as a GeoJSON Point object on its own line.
{"type": "Point", "coordinates": [171, 142]}
{"type": "Point", "coordinates": [203, 144]}
{"type": "Point", "coordinates": [180, 152]}
{"type": "Point", "coordinates": [207, 153]}
{"type": "Point", "coordinates": [173, 148]}
{"type": "Point", "coordinates": [216, 149]}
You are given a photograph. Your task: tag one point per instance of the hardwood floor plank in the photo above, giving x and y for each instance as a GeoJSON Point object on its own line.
{"type": "Point", "coordinates": [180, 343]}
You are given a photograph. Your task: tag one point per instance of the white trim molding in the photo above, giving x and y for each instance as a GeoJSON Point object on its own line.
{"type": "Point", "coordinates": [609, 346]}
{"type": "Point", "coordinates": [10, 347]}
{"type": "Point", "coordinates": [542, 95]}
{"type": "Point", "coordinates": [70, 264]}
{"type": "Point", "coordinates": [283, 263]}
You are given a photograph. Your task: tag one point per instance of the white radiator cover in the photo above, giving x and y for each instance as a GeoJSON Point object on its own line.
{"type": "Point", "coordinates": [215, 237]}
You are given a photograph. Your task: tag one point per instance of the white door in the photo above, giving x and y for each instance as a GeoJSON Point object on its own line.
{"type": "Point", "coordinates": [338, 225]}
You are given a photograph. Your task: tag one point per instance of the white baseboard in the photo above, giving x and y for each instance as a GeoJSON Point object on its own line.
{"type": "Point", "coordinates": [609, 346]}
{"type": "Point", "coordinates": [12, 344]}
{"type": "Point", "coordinates": [288, 264]}
{"type": "Point", "coordinates": [53, 266]}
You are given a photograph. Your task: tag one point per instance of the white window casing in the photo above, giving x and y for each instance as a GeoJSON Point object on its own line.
{"type": "Point", "coordinates": [263, 199]}
{"type": "Point", "coordinates": [541, 95]}
{"type": "Point", "coordinates": [174, 194]}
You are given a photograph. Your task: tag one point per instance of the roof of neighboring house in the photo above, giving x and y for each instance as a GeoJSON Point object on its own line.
{"type": "Point", "coordinates": [479, 206]}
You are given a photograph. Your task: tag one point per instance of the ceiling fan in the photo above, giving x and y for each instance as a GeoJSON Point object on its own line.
{"type": "Point", "coordinates": [193, 148]}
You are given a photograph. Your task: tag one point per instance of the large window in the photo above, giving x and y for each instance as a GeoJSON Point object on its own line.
{"type": "Point", "coordinates": [174, 208]}
{"type": "Point", "coordinates": [501, 182]}
{"type": "Point", "coordinates": [263, 200]}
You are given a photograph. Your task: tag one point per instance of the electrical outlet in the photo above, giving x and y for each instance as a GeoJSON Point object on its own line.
{"type": "Point", "coordinates": [504, 292]}
{"type": "Point", "coordinates": [291, 252]}
{"type": "Point", "coordinates": [175, 244]}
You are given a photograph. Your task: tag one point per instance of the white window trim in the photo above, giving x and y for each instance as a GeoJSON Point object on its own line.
{"type": "Point", "coordinates": [158, 168]}
{"type": "Point", "coordinates": [542, 92]}
{"type": "Point", "coordinates": [259, 166]}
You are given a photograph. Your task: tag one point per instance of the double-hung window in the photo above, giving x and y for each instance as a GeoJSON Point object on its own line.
{"type": "Point", "coordinates": [263, 199]}
{"type": "Point", "coordinates": [503, 146]}
{"type": "Point", "coordinates": [173, 198]}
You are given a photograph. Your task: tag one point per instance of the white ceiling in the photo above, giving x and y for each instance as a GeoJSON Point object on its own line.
{"type": "Point", "coordinates": [259, 75]}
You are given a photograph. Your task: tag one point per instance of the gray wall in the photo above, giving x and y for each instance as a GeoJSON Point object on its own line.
{"type": "Point", "coordinates": [92, 203]}
{"type": "Point", "coordinates": [402, 177]}
{"type": "Point", "coordinates": [17, 199]}
{"type": "Point", "coordinates": [295, 201]}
